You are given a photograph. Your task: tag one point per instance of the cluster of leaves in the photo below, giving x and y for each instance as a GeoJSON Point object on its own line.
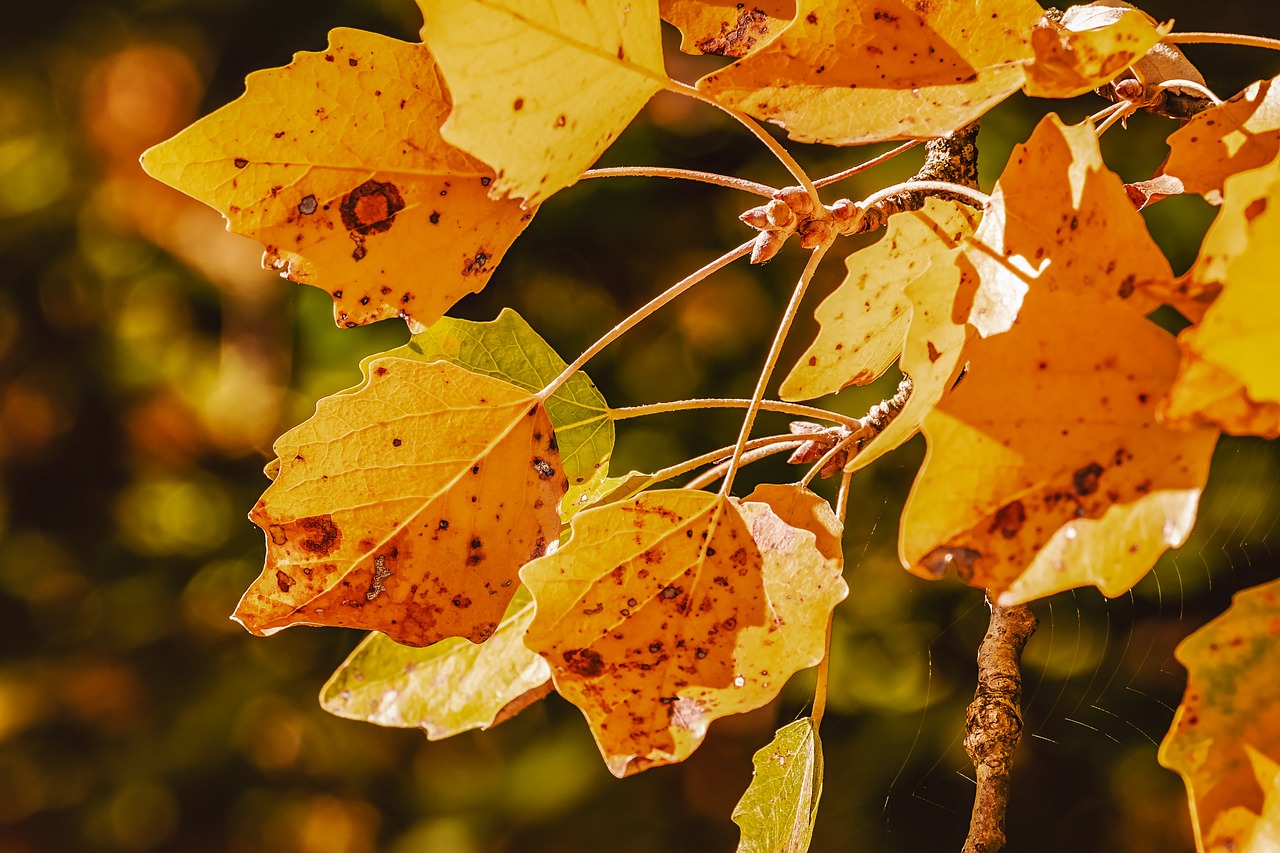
{"type": "Point", "coordinates": [458, 502]}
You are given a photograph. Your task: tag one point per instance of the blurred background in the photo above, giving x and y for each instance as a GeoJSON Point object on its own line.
{"type": "Point", "coordinates": [147, 363]}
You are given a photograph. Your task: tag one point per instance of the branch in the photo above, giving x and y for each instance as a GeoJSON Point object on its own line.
{"type": "Point", "coordinates": [993, 722]}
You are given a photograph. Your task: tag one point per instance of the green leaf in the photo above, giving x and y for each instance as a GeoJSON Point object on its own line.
{"type": "Point", "coordinates": [777, 811]}
{"type": "Point", "coordinates": [445, 689]}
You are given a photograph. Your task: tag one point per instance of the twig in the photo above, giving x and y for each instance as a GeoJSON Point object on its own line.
{"type": "Point", "coordinates": [993, 723]}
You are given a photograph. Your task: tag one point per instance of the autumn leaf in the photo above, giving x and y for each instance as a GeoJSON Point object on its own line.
{"type": "Point", "coordinates": [1239, 830]}
{"type": "Point", "coordinates": [336, 165]}
{"type": "Point", "coordinates": [727, 27]}
{"type": "Point", "coordinates": [864, 320]}
{"type": "Point", "coordinates": [1059, 218]}
{"type": "Point", "coordinates": [542, 87]}
{"type": "Point", "coordinates": [450, 687]}
{"type": "Point", "coordinates": [507, 348]}
{"type": "Point", "coordinates": [1046, 467]}
{"type": "Point", "coordinates": [1228, 708]}
{"type": "Point", "coordinates": [672, 609]}
{"type": "Point", "coordinates": [777, 812]}
{"type": "Point", "coordinates": [797, 506]}
{"type": "Point", "coordinates": [1233, 137]}
{"type": "Point", "coordinates": [406, 505]}
{"type": "Point", "coordinates": [847, 72]}
{"type": "Point", "coordinates": [1086, 50]}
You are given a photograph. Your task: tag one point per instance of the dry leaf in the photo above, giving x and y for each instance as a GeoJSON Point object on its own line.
{"type": "Point", "coordinates": [727, 27]}
{"type": "Point", "coordinates": [1087, 49]}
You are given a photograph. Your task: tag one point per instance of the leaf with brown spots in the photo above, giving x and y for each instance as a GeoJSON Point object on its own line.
{"type": "Point", "coordinates": [542, 87]}
{"type": "Point", "coordinates": [864, 319]}
{"type": "Point", "coordinates": [407, 505]}
{"type": "Point", "coordinates": [846, 72]}
{"type": "Point", "coordinates": [1060, 220]}
{"type": "Point", "coordinates": [1228, 376]}
{"type": "Point", "coordinates": [335, 163]}
{"type": "Point", "coordinates": [1046, 466]}
{"type": "Point", "coordinates": [1228, 710]}
{"type": "Point", "coordinates": [451, 687]}
{"type": "Point", "coordinates": [727, 27]}
{"type": "Point", "coordinates": [1084, 51]}
{"type": "Point", "coordinates": [672, 609]}
{"type": "Point", "coordinates": [1234, 137]}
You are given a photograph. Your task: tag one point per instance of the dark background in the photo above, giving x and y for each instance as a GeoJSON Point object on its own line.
{"type": "Point", "coordinates": [146, 364]}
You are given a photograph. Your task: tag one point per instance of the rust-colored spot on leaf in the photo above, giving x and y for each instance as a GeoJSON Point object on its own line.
{"type": "Point", "coordinates": [371, 208]}
{"type": "Point", "coordinates": [325, 536]}
{"type": "Point", "coordinates": [1085, 480]}
{"type": "Point", "coordinates": [1008, 519]}
{"type": "Point", "coordinates": [584, 662]}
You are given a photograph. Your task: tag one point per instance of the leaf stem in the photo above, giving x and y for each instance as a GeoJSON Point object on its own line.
{"type": "Point", "coordinates": [709, 476]}
{"type": "Point", "coordinates": [862, 167]}
{"type": "Point", "coordinates": [771, 360]}
{"type": "Point", "coordinates": [787, 441]}
{"type": "Point", "coordinates": [1222, 38]}
{"type": "Point", "coordinates": [682, 174]}
{"type": "Point", "coordinates": [830, 454]}
{"type": "Point", "coordinates": [644, 311]}
{"type": "Point", "coordinates": [976, 195]}
{"type": "Point", "coordinates": [731, 403]}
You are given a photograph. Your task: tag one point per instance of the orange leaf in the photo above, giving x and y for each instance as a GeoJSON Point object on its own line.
{"type": "Point", "coordinates": [672, 609]}
{"type": "Point", "coordinates": [801, 508]}
{"type": "Point", "coordinates": [406, 505]}
{"type": "Point", "coordinates": [335, 163]}
{"type": "Point", "coordinates": [1058, 217]}
{"type": "Point", "coordinates": [1241, 134]}
{"type": "Point", "coordinates": [1084, 52]}
{"type": "Point", "coordinates": [727, 27]}
{"type": "Point", "coordinates": [846, 72]}
{"type": "Point", "coordinates": [1229, 709]}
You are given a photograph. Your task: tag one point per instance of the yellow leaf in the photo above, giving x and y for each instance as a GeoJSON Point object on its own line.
{"type": "Point", "coordinates": [863, 321]}
{"type": "Point", "coordinates": [1238, 830]}
{"type": "Point", "coordinates": [801, 508]}
{"type": "Point", "coordinates": [1082, 53]}
{"type": "Point", "coordinates": [406, 505]}
{"type": "Point", "coordinates": [542, 87]}
{"type": "Point", "coordinates": [1046, 468]}
{"type": "Point", "coordinates": [846, 72]}
{"type": "Point", "coordinates": [1241, 134]}
{"type": "Point", "coordinates": [1227, 711]}
{"type": "Point", "coordinates": [727, 27]}
{"type": "Point", "coordinates": [336, 165]}
{"type": "Point", "coordinates": [672, 609]}
{"type": "Point", "coordinates": [1059, 218]}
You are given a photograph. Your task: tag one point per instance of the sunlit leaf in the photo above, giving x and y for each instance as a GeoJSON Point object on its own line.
{"type": "Point", "coordinates": [406, 505]}
{"type": "Point", "coordinates": [847, 72]}
{"type": "Point", "coordinates": [863, 321]}
{"type": "Point", "coordinates": [1059, 218]}
{"type": "Point", "coordinates": [541, 87]}
{"type": "Point", "coordinates": [801, 508]}
{"type": "Point", "coordinates": [1229, 705]}
{"type": "Point", "coordinates": [777, 811]}
{"type": "Point", "coordinates": [1241, 134]}
{"type": "Point", "coordinates": [1239, 830]}
{"type": "Point", "coordinates": [336, 165]}
{"type": "Point", "coordinates": [727, 27]}
{"type": "Point", "coordinates": [1084, 52]}
{"type": "Point", "coordinates": [451, 687]}
{"type": "Point", "coordinates": [672, 609]}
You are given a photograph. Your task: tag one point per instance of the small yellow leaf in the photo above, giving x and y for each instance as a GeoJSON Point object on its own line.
{"type": "Point", "coordinates": [1241, 134]}
{"type": "Point", "coordinates": [407, 505]}
{"type": "Point", "coordinates": [727, 27]}
{"type": "Point", "coordinates": [542, 87]}
{"type": "Point", "coordinates": [1083, 53]}
{"type": "Point", "coordinates": [847, 72]}
{"type": "Point", "coordinates": [863, 321]}
{"type": "Point", "coordinates": [336, 165]}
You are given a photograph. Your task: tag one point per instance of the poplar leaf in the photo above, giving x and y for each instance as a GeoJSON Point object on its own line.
{"type": "Point", "coordinates": [542, 87]}
{"type": "Point", "coordinates": [1236, 136]}
{"type": "Point", "coordinates": [1083, 52]}
{"type": "Point", "coordinates": [1228, 710]}
{"type": "Point", "coordinates": [406, 505]}
{"type": "Point", "coordinates": [1046, 467]}
{"type": "Point", "coordinates": [777, 812]}
{"type": "Point", "coordinates": [847, 72]}
{"type": "Point", "coordinates": [1059, 218]}
{"type": "Point", "coordinates": [727, 27]}
{"type": "Point", "coordinates": [450, 687]}
{"type": "Point", "coordinates": [1239, 830]}
{"type": "Point", "coordinates": [336, 165]}
{"type": "Point", "coordinates": [672, 609]}
{"type": "Point", "coordinates": [864, 320]}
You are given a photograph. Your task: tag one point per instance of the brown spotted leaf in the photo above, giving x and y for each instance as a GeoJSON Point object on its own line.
{"type": "Point", "coordinates": [336, 165]}
{"type": "Point", "coordinates": [542, 87]}
{"type": "Point", "coordinates": [1085, 51]}
{"type": "Point", "coordinates": [847, 72]}
{"type": "Point", "coordinates": [672, 609]}
{"type": "Point", "coordinates": [1241, 134]}
{"type": "Point", "coordinates": [407, 505]}
{"type": "Point", "coordinates": [1228, 710]}
{"type": "Point", "coordinates": [727, 27]}
{"type": "Point", "coordinates": [1059, 219]}
{"type": "Point", "coordinates": [1046, 467]}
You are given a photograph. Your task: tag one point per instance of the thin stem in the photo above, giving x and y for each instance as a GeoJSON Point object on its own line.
{"type": "Point", "coordinates": [862, 167]}
{"type": "Point", "coordinates": [1222, 38]}
{"type": "Point", "coordinates": [771, 361]}
{"type": "Point", "coordinates": [720, 454]}
{"type": "Point", "coordinates": [709, 476]}
{"type": "Point", "coordinates": [750, 124]}
{"type": "Point", "coordinates": [644, 311]}
{"type": "Point", "coordinates": [729, 403]}
{"type": "Point", "coordinates": [682, 174]}
{"type": "Point", "coordinates": [1127, 108]}
{"type": "Point", "coordinates": [1192, 86]}
{"type": "Point", "coordinates": [842, 498]}
{"type": "Point", "coordinates": [915, 186]}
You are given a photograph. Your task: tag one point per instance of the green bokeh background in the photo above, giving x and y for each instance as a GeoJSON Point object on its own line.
{"type": "Point", "coordinates": [145, 366]}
